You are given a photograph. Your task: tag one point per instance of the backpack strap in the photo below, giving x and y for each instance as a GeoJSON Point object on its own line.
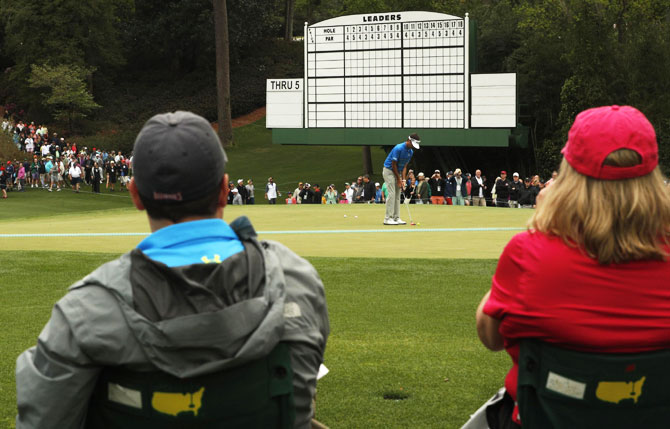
{"type": "Point", "coordinates": [244, 229]}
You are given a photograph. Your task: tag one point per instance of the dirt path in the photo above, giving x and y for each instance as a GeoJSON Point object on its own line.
{"type": "Point", "coordinates": [245, 119]}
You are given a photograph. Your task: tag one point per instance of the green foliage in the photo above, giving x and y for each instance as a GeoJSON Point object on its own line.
{"type": "Point", "coordinates": [63, 32]}
{"type": "Point", "coordinates": [173, 35]}
{"type": "Point", "coordinates": [178, 35]}
{"type": "Point", "coordinates": [577, 54]}
{"type": "Point", "coordinates": [66, 93]}
{"type": "Point", "coordinates": [273, 59]}
{"type": "Point", "coordinates": [663, 137]}
{"type": "Point", "coordinates": [130, 103]}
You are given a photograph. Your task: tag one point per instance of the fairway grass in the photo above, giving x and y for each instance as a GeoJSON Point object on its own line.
{"type": "Point", "coordinates": [398, 327]}
{"type": "Point", "coordinates": [401, 304]}
{"type": "Point", "coordinates": [354, 230]}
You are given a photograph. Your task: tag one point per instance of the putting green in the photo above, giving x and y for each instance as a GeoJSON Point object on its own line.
{"type": "Point", "coordinates": [310, 230]}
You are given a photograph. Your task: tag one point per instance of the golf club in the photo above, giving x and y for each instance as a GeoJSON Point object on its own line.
{"type": "Point", "coordinates": [411, 222]}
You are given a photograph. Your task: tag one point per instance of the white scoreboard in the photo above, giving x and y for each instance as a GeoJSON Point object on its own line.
{"type": "Point", "coordinates": [388, 70]}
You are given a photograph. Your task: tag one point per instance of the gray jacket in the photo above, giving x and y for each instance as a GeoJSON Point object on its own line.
{"type": "Point", "coordinates": [185, 321]}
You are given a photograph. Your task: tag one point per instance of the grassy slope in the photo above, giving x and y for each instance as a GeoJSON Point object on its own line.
{"type": "Point", "coordinates": [7, 149]}
{"type": "Point", "coordinates": [36, 203]}
{"type": "Point", "coordinates": [409, 331]}
{"type": "Point", "coordinates": [253, 157]}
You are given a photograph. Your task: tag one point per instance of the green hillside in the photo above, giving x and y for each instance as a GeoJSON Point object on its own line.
{"type": "Point", "coordinates": [7, 149]}
{"type": "Point", "coordinates": [255, 157]}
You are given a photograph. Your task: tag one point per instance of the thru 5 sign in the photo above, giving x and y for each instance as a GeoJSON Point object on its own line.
{"type": "Point", "coordinates": [284, 101]}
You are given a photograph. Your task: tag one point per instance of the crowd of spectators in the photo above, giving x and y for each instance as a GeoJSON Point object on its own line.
{"type": "Point", "coordinates": [54, 163]}
{"type": "Point", "coordinates": [240, 193]}
{"type": "Point", "coordinates": [464, 189]}
{"type": "Point", "coordinates": [456, 188]}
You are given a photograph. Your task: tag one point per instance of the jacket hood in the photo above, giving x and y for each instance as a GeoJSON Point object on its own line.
{"type": "Point", "coordinates": [199, 318]}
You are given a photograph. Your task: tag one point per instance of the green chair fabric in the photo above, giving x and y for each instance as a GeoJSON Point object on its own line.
{"type": "Point", "coordinates": [560, 388]}
{"type": "Point", "coordinates": [258, 394]}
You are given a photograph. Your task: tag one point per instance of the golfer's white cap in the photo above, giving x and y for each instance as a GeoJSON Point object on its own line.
{"type": "Point", "coordinates": [377, 184]}
{"type": "Point", "coordinates": [415, 140]}
{"type": "Point", "coordinates": [515, 174]}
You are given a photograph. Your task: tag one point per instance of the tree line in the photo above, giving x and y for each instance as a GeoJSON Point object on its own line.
{"type": "Point", "coordinates": [569, 54]}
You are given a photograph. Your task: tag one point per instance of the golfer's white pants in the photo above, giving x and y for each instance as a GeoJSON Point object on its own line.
{"type": "Point", "coordinates": [393, 200]}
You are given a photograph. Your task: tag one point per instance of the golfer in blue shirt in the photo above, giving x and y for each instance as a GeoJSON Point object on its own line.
{"type": "Point", "coordinates": [396, 162]}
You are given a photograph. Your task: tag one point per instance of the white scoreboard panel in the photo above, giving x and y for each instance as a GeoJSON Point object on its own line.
{"type": "Point", "coordinates": [284, 101]}
{"type": "Point", "coordinates": [493, 100]}
{"type": "Point", "coordinates": [392, 70]}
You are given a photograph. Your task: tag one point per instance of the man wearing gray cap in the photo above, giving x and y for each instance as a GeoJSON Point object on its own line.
{"type": "Point", "coordinates": [202, 325]}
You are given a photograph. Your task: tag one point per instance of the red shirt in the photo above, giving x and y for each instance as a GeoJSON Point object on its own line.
{"type": "Point", "coordinates": [544, 289]}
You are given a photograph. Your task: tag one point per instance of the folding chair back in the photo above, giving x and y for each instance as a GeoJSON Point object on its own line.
{"type": "Point", "coordinates": [258, 394]}
{"type": "Point", "coordinates": [560, 388]}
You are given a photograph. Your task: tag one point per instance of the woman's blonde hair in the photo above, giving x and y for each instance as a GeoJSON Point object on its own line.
{"type": "Point", "coordinates": [613, 221]}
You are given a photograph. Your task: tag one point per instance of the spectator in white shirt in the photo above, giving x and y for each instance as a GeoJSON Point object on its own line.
{"type": "Point", "coordinates": [478, 188]}
{"type": "Point", "coordinates": [30, 144]}
{"type": "Point", "coordinates": [75, 176]}
{"type": "Point", "coordinates": [348, 193]}
{"type": "Point", "coordinates": [271, 191]}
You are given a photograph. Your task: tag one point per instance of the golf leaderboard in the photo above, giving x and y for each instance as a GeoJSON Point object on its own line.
{"type": "Point", "coordinates": [371, 77]}
{"type": "Point", "coordinates": [386, 71]}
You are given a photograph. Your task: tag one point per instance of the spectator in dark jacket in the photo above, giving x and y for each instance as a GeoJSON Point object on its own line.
{"type": "Point", "coordinates": [449, 191]}
{"type": "Point", "coordinates": [316, 196]}
{"type": "Point", "coordinates": [307, 194]}
{"type": "Point", "coordinates": [369, 190]}
{"type": "Point", "coordinates": [242, 190]}
{"type": "Point", "coordinates": [459, 188]}
{"type": "Point", "coordinates": [9, 175]}
{"type": "Point", "coordinates": [408, 192]}
{"type": "Point", "coordinates": [514, 191]}
{"type": "Point", "coordinates": [502, 190]}
{"type": "Point", "coordinates": [527, 194]}
{"type": "Point", "coordinates": [436, 184]}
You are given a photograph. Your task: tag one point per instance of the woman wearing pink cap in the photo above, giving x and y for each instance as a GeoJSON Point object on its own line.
{"type": "Point", "coordinates": [592, 272]}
